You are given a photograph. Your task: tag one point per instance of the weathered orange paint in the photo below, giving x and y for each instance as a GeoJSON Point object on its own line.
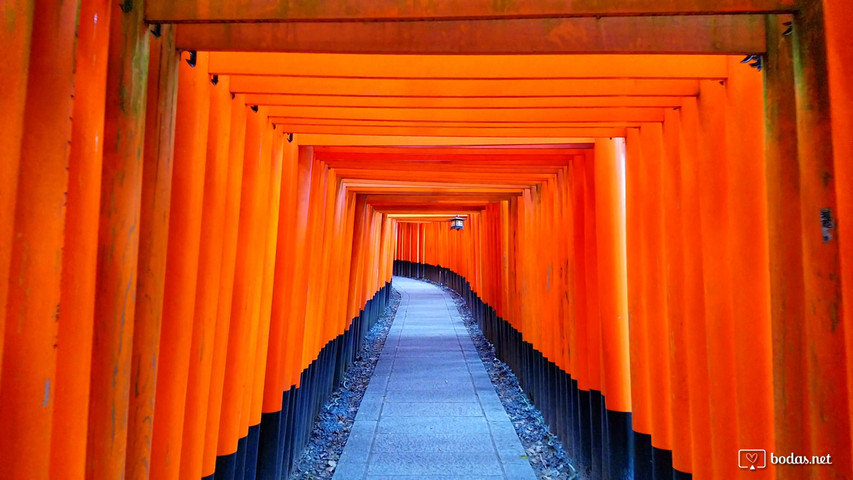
{"type": "Point", "coordinates": [692, 34]}
{"type": "Point", "coordinates": [118, 243]}
{"type": "Point", "coordinates": [362, 10]}
{"type": "Point", "coordinates": [826, 364]}
{"type": "Point", "coordinates": [839, 53]}
{"type": "Point", "coordinates": [785, 252]}
{"type": "Point", "coordinates": [153, 240]}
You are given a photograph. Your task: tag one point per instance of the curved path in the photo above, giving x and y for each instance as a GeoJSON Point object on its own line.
{"type": "Point", "coordinates": [430, 411]}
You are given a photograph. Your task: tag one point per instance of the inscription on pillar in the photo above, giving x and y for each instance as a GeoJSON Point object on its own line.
{"type": "Point", "coordinates": [826, 224]}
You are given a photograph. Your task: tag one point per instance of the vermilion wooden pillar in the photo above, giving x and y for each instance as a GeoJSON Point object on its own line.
{"type": "Point", "coordinates": [74, 349]}
{"type": "Point", "coordinates": [15, 44]}
{"type": "Point", "coordinates": [638, 324]}
{"type": "Point", "coordinates": [273, 153]}
{"type": "Point", "coordinates": [580, 369]}
{"type": "Point", "coordinates": [341, 262]}
{"type": "Point", "coordinates": [326, 258]}
{"type": "Point", "coordinates": [825, 337]}
{"type": "Point", "coordinates": [546, 307]}
{"type": "Point", "coordinates": [531, 283]}
{"type": "Point", "coordinates": [750, 282]}
{"type": "Point", "coordinates": [185, 220]}
{"type": "Point", "coordinates": [213, 234]}
{"type": "Point", "coordinates": [27, 391]}
{"type": "Point", "coordinates": [785, 251]}
{"type": "Point", "coordinates": [297, 328]}
{"type": "Point", "coordinates": [315, 322]}
{"type": "Point", "coordinates": [118, 237]}
{"type": "Point", "coordinates": [837, 15]}
{"type": "Point", "coordinates": [673, 270]}
{"type": "Point", "coordinates": [568, 281]}
{"type": "Point", "coordinates": [593, 338]}
{"type": "Point", "coordinates": [313, 240]}
{"type": "Point", "coordinates": [357, 255]}
{"type": "Point", "coordinates": [386, 258]}
{"type": "Point", "coordinates": [364, 245]}
{"type": "Point", "coordinates": [260, 152]}
{"type": "Point", "coordinates": [714, 208]}
{"type": "Point", "coordinates": [609, 168]}
{"type": "Point", "coordinates": [239, 325]}
{"type": "Point", "coordinates": [654, 297]}
{"type": "Point", "coordinates": [233, 196]}
{"type": "Point", "coordinates": [694, 294]}
{"type": "Point", "coordinates": [271, 448]}
{"type": "Point", "coordinates": [153, 239]}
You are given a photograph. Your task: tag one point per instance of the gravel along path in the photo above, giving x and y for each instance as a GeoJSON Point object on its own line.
{"type": "Point", "coordinates": [544, 450]}
{"type": "Point", "coordinates": [332, 427]}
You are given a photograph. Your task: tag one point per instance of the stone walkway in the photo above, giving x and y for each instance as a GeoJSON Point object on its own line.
{"type": "Point", "coordinates": [430, 411]}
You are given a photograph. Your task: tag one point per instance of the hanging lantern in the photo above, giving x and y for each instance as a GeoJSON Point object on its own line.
{"type": "Point", "coordinates": [456, 223]}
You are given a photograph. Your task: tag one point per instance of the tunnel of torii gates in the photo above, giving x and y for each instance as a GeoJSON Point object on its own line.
{"type": "Point", "coordinates": [202, 204]}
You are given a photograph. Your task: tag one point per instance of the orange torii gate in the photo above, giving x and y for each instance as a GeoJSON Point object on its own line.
{"type": "Point", "coordinates": [190, 261]}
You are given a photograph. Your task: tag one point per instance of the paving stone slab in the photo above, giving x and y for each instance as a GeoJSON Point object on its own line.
{"type": "Point", "coordinates": [428, 396]}
{"type": "Point", "coordinates": [431, 442]}
{"type": "Point", "coordinates": [468, 425]}
{"type": "Point", "coordinates": [426, 463]}
{"type": "Point", "coordinates": [432, 409]}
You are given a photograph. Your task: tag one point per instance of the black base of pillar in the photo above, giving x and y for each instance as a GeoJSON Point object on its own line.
{"type": "Point", "coordinates": [662, 464]}
{"type": "Point", "coordinates": [252, 439]}
{"type": "Point", "coordinates": [619, 440]}
{"type": "Point", "coordinates": [643, 456]}
{"type": "Point", "coordinates": [226, 467]}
